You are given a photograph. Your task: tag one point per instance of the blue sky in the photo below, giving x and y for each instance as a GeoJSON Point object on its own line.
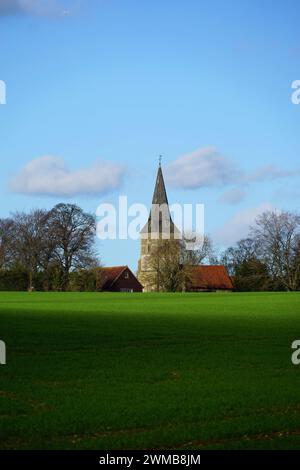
{"type": "Point", "coordinates": [102, 88]}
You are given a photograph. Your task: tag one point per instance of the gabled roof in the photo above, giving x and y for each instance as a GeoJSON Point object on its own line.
{"type": "Point", "coordinates": [111, 274]}
{"type": "Point", "coordinates": [209, 277]}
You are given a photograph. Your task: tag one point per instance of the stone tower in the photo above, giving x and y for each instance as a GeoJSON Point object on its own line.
{"type": "Point", "coordinates": [159, 229]}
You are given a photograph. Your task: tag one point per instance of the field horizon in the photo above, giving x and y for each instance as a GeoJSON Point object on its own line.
{"type": "Point", "coordinates": [149, 371]}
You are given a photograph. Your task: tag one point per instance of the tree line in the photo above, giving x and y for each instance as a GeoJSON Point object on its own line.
{"type": "Point", "coordinates": [55, 250]}
{"type": "Point", "coordinates": [47, 250]}
{"type": "Point", "coordinates": [269, 258]}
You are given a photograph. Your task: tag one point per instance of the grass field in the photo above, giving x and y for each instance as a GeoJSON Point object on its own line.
{"type": "Point", "coordinates": [150, 371]}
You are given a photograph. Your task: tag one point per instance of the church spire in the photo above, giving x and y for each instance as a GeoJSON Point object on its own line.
{"type": "Point", "coordinates": [160, 193]}
{"type": "Point", "coordinates": [159, 227]}
{"type": "Point", "coordinates": [160, 203]}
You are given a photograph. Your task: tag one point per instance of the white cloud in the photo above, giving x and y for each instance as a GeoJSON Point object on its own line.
{"type": "Point", "coordinates": [204, 167]}
{"type": "Point", "coordinates": [238, 226]}
{"type": "Point", "coordinates": [35, 7]}
{"type": "Point", "coordinates": [233, 196]}
{"type": "Point", "coordinates": [49, 176]}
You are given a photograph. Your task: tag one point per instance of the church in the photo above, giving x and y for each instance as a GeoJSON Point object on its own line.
{"type": "Point", "coordinates": [158, 231]}
{"type": "Point", "coordinates": [154, 232]}
{"type": "Point", "coordinates": [201, 278]}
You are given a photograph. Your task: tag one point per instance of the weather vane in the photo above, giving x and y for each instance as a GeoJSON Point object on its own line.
{"type": "Point", "coordinates": [159, 159]}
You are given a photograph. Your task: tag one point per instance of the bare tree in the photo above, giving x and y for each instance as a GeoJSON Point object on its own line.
{"type": "Point", "coordinates": [244, 251]}
{"type": "Point", "coordinates": [172, 261]}
{"type": "Point", "coordinates": [73, 231]}
{"type": "Point", "coordinates": [165, 265]}
{"type": "Point", "coordinates": [277, 237]}
{"type": "Point", "coordinates": [201, 251]}
{"type": "Point", "coordinates": [7, 234]}
{"type": "Point", "coordinates": [30, 241]}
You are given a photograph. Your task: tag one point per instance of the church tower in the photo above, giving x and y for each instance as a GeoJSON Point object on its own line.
{"type": "Point", "coordinates": [159, 229]}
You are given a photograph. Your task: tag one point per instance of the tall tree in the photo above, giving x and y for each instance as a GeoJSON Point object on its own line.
{"type": "Point", "coordinates": [30, 240]}
{"type": "Point", "coordinates": [277, 236]}
{"type": "Point", "coordinates": [244, 251]}
{"type": "Point", "coordinates": [165, 266]}
{"type": "Point", "coordinates": [74, 232]}
{"type": "Point", "coordinates": [172, 261]}
{"type": "Point", "coordinates": [7, 235]}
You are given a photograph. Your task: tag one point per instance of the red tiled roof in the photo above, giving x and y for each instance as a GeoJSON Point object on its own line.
{"type": "Point", "coordinates": [110, 274]}
{"type": "Point", "coordinates": [209, 277]}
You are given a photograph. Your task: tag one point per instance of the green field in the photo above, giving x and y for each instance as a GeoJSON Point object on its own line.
{"type": "Point", "coordinates": [150, 371]}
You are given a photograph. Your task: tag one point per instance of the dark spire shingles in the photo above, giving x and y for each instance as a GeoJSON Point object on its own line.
{"type": "Point", "coordinates": [160, 193]}
{"type": "Point", "coordinates": [160, 198]}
